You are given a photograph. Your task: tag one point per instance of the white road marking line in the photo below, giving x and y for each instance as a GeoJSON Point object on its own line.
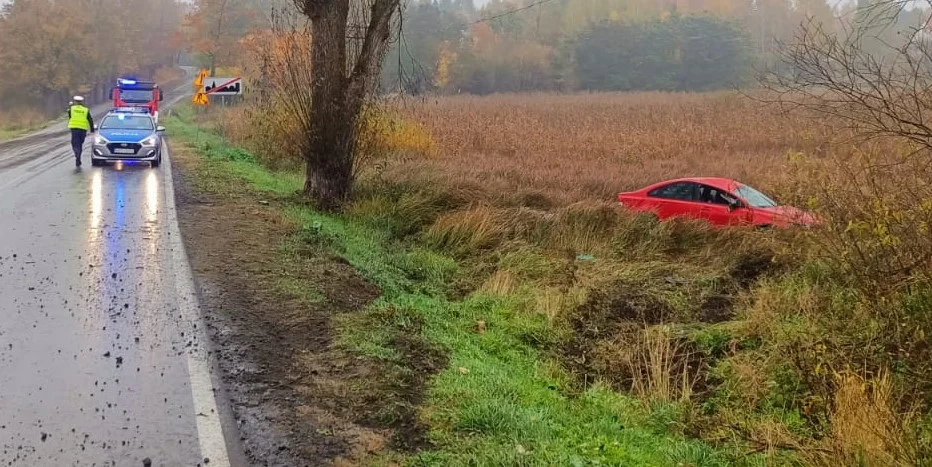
{"type": "Point", "coordinates": [207, 416]}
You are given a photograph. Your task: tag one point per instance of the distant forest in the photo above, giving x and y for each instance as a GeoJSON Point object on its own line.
{"type": "Point", "coordinates": [601, 45]}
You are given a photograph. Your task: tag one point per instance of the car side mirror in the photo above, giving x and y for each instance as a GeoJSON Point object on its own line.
{"type": "Point", "coordinates": [160, 129]}
{"type": "Point", "coordinates": [96, 127]}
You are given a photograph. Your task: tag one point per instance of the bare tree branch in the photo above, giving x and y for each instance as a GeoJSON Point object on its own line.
{"type": "Point", "coordinates": [874, 79]}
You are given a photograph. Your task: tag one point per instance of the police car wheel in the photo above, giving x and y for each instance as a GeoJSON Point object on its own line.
{"type": "Point", "coordinates": [97, 162]}
{"type": "Point", "coordinates": [157, 161]}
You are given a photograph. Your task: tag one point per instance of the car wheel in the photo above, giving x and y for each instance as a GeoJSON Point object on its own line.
{"type": "Point", "coordinates": [157, 162]}
{"type": "Point", "coordinates": [764, 228]}
{"type": "Point", "coordinates": [96, 162]}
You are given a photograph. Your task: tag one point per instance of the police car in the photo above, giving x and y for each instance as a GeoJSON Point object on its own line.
{"type": "Point", "coordinates": [127, 134]}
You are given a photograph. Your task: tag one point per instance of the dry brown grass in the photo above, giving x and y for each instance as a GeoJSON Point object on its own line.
{"type": "Point", "coordinates": [12, 121]}
{"type": "Point", "coordinates": [501, 283]}
{"type": "Point", "coordinates": [468, 231]}
{"type": "Point", "coordinates": [867, 428]}
{"type": "Point", "coordinates": [558, 149]}
{"type": "Point", "coordinates": [659, 369]}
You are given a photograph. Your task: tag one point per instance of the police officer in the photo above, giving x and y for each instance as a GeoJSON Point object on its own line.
{"type": "Point", "coordinates": [80, 122]}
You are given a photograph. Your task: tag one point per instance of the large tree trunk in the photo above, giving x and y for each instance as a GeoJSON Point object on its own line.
{"type": "Point", "coordinates": [338, 95]}
{"type": "Point", "coordinates": [329, 165]}
{"type": "Point", "coordinates": [330, 151]}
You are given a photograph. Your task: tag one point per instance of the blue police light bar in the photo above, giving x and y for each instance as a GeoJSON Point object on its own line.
{"type": "Point", "coordinates": [133, 83]}
{"type": "Point", "coordinates": [130, 110]}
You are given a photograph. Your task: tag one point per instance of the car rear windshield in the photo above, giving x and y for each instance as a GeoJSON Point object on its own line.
{"type": "Point", "coordinates": [755, 198]}
{"type": "Point", "coordinates": [126, 122]}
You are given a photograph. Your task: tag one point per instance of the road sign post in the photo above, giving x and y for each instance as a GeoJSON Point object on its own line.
{"type": "Point", "coordinates": [200, 97]}
{"type": "Point", "coordinates": [199, 80]}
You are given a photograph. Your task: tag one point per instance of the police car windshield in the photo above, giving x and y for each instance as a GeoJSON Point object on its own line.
{"type": "Point", "coordinates": [126, 122]}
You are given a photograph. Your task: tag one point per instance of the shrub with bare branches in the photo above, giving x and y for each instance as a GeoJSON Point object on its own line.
{"type": "Point", "coordinates": [878, 198]}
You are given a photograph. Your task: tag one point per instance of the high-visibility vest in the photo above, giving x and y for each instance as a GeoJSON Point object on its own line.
{"type": "Point", "coordinates": [78, 119]}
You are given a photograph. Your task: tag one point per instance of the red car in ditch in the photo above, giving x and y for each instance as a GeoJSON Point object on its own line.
{"type": "Point", "coordinates": [720, 201]}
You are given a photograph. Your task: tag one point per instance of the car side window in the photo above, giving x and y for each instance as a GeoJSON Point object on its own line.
{"type": "Point", "coordinates": [708, 194]}
{"type": "Point", "coordinates": [682, 191]}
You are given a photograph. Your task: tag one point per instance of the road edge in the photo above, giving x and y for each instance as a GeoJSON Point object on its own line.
{"type": "Point", "coordinates": [202, 372]}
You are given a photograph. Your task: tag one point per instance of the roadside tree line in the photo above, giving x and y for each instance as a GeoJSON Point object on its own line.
{"type": "Point", "coordinates": [450, 46]}
{"type": "Point", "coordinates": [52, 49]}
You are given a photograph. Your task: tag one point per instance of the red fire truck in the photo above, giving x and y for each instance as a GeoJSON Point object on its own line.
{"type": "Point", "coordinates": [130, 92]}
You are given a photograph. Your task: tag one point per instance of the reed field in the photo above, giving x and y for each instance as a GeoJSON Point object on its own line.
{"type": "Point", "coordinates": [569, 148]}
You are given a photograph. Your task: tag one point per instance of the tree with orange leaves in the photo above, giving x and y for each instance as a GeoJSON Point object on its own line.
{"type": "Point", "coordinates": [56, 48]}
{"type": "Point", "coordinates": [215, 28]}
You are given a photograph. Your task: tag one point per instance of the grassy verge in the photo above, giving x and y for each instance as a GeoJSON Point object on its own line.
{"type": "Point", "coordinates": [8, 132]}
{"type": "Point", "coordinates": [474, 342]}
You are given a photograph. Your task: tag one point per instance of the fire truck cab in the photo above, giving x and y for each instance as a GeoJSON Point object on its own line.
{"type": "Point", "coordinates": [134, 93]}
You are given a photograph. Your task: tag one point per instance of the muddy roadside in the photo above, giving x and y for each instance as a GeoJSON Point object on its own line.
{"type": "Point", "coordinates": [296, 398]}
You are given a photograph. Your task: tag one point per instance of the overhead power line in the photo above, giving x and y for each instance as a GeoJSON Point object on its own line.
{"type": "Point", "coordinates": [511, 12]}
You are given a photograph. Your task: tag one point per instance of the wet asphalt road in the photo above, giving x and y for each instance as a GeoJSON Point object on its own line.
{"type": "Point", "coordinates": [102, 360]}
